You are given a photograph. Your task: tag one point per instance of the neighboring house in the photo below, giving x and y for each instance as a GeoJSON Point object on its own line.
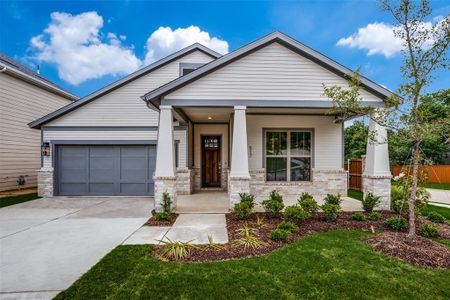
{"type": "Point", "coordinates": [250, 121]}
{"type": "Point", "coordinates": [24, 96]}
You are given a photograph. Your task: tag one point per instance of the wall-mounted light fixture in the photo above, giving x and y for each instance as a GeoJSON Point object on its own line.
{"type": "Point", "coordinates": [45, 149]}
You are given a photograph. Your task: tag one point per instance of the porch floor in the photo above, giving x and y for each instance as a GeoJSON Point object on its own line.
{"type": "Point", "coordinates": [216, 202]}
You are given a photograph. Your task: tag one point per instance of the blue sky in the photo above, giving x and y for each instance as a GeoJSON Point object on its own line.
{"type": "Point", "coordinates": [118, 42]}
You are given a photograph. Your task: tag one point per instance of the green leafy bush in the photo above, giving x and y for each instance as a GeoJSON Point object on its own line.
{"type": "Point", "coordinates": [163, 216]}
{"type": "Point", "coordinates": [295, 213]}
{"type": "Point", "coordinates": [279, 234]}
{"type": "Point", "coordinates": [307, 202]}
{"type": "Point", "coordinates": [167, 203]}
{"type": "Point", "coordinates": [243, 209]}
{"type": "Point", "coordinates": [369, 202]}
{"type": "Point", "coordinates": [274, 205]}
{"type": "Point", "coordinates": [400, 192]}
{"type": "Point", "coordinates": [330, 211]}
{"type": "Point", "coordinates": [375, 216]}
{"type": "Point", "coordinates": [249, 199]}
{"type": "Point", "coordinates": [429, 230]}
{"type": "Point", "coordinates": [357, 216]}
{"type": "Point", "coordinates": [247, 239]}
{"type": "Point", "coordinates": [288, 226]}
{"type": "Point", "coordinates": [436, 217]}
{"type": "Point", "coordinates": [333, 199]}
{"type": "Point", "coordinates": [397, 223]}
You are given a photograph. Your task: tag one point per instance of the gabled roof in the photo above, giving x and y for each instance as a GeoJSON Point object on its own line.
{"type": "Point", "coordinates": [16, 69]}
{"type": "Point", "coordinates": [153, 96]}
{"type": "Point", "coordinates": [91, 97]}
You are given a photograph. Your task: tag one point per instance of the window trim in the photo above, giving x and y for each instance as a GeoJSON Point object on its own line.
{"type": "Point", "coordinates": [193, 66]}
{"type": "Point", "coordinates": [288, 156]}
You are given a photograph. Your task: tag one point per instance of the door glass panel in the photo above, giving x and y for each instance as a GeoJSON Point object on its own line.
{"type": "Point", "coordinates": [276, 169]}
{"type": "Point", "coordinates": [300, 143]}
{"type": "Point", "coordinates": [211, 143]}
{"type": "Point", "coordinates": [276, 143]}
{"type": "Point", "coordinates": [300, 168]}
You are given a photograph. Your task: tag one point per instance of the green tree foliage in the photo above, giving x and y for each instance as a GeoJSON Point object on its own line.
{"type": "Point", "coordinates": [355, 140]}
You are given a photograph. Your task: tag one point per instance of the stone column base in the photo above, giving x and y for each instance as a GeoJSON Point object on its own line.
{"type": "Point", "coordinates": [379, 186]}
{"type": "Point", "coordinates": [45, 183]}
{"type": "Point", "coordinates": [237, 185]}
{"type": "Point", "coordinates": [184, 184]}
{"type": "Point", "coordinates": [162, 185]}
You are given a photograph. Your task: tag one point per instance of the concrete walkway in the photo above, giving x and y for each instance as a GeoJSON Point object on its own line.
{"type": "Point", "coordinates": [440, 197]}
{"type": "Point", "coordinates": [46, 244]}
{"type": "Point", "coordinates": [188, 227]}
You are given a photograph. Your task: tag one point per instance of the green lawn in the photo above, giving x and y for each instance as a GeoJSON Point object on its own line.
{"type": "Point", "coordinates": [358, 195]}
{"type": "Point", "coordinates": [331, 265]}
{"type": "Point", "coordinates": [7, 201]}
{"type": "Point", "coordinates": [439, 186]}
{"type": "Point", "coordinates": [442, 210]}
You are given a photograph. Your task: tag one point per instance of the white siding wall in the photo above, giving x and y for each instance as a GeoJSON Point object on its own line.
{"type": "Point", "coordinates": [327, 138]}
{"type": "Point", "coordinates": [50, 136]}
{"type": "Point", "coordinates": [123, 106]}
{"type": "Point", "coordinates": [271, 73]}
{"type": "Point", "coordinates": [21, 103]}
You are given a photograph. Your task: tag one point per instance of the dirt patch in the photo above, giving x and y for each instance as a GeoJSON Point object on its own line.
{"type": "Point", "coordinates": [421, 251]}
{"type": "Point", "coordinates": [153, 222]}
{"type": "Point", "coordinates": [316, 224]}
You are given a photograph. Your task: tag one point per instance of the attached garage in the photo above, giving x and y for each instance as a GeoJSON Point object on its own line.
{"type": "Point", "coordinates": [104, 170]}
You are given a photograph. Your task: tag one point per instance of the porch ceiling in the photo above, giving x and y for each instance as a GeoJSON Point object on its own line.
{"type": "Point", "coordinates": [223, 114]}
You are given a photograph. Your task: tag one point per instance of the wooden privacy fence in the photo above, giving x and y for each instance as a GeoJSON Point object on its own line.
{"type": "Point", "coordinates": [355, 170]}
{"type": "Point", "coordinates": [435, 174]}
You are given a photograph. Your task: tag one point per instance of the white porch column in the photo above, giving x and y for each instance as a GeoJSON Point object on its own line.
{"type": "Point", "coordinates": [165, 171]}
{"type": "Point", "coordinates": [377, 174]}
{"type": "Point", "coordinates": [239, 181]}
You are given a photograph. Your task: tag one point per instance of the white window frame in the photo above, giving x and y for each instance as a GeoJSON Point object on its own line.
{"type": "Point", "coordinates": [288, 152]}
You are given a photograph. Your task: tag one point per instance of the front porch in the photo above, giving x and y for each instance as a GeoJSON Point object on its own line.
{"type": "Point", "coordinates": [231, 150]}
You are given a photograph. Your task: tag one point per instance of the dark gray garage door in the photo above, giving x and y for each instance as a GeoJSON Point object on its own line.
{"type": "Point", "coordinates": [105, 170]}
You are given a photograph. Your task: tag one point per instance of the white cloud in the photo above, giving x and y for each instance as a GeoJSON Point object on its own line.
{"type": "Point", "coordinates": [76, 46]}
{"type": "Point", "coordinates": [165, 41]}
{"type": "Point", "coordinates": [377, 38]}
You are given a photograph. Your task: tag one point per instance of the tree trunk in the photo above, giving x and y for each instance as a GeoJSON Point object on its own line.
{"type": "Point", "coordinates": [412, 196]}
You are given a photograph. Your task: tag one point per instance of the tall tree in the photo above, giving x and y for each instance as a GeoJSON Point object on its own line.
{"type": "Point", "coordinates": [425, 49]}
{"type": "Point", "coordinates": [355, 140]}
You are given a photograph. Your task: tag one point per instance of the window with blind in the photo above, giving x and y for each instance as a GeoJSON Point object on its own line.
{"type": "Point", "coordinates": [288, 155]}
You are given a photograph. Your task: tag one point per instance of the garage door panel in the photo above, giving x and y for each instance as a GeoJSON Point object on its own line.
{"type": "Point", "coordinates": [106, 170]}
{"type": "Point", "coordinates": [102, 189]}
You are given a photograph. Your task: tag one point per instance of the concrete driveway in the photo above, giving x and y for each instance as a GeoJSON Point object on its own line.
{"type": "Point", "coordinates": [46, 244]}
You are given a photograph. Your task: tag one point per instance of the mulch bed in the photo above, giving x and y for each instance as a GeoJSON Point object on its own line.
{"type": "Point", "coordinates": [313, 225]}
{"type": "Point", "coordinates": [153, 222]}
{"type": "Point", "coordinates": [421, 251]}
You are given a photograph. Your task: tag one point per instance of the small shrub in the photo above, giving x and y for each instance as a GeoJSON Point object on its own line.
{"type": "Point", "coordinates": [260, 223]}
{"type": "Point", "coordinates": [333, 199]}
{"type": "Point", "coordinates": [175, 249]}
{"type": "Point", "coordinates": [249, 199]}
{"type": "Point", "coordinates": [274, 205]}
{"type": "Point", "coordinates": [246, 230]}
{"type": "Point", "coordinates": [307, 202]}
{"type": "Point", "coordinates": [397, 223]}
{"type": "Point", "coordinates": [330, 211]}
{"type": "Point", "coordinates": [163, 216]}
{"type": "Point", "coordinates": [357, 216]}
{"type": "Point", "coordinates": [369, 202]}
{"type": "Point", "coordinates": [400, 196]}
{"type": "Point", "coordinates": [375, 216]}
{"type": "Point", "coordinates": [279, 234]}
{"type": "Point", "coordinates": [428, 230]}
{"type": "Point", "coordinates": [248, 240]}
{"type": "Point", "coordinates": [167, 203]}
{"type": "Point", "coordinates": [211, 244]}
{"type": "Point", "coordinates": [436, 217]}
{"type": "Point", "coordinates": [295, 213]}
{"type": "Point", "coordinates": [241, 211]}
{"type": "Point", "coordinates": [288, 226]}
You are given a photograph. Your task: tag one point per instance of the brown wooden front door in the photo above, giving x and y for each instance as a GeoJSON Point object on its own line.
{"type": "Point", "coordinates": [211, 147]}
